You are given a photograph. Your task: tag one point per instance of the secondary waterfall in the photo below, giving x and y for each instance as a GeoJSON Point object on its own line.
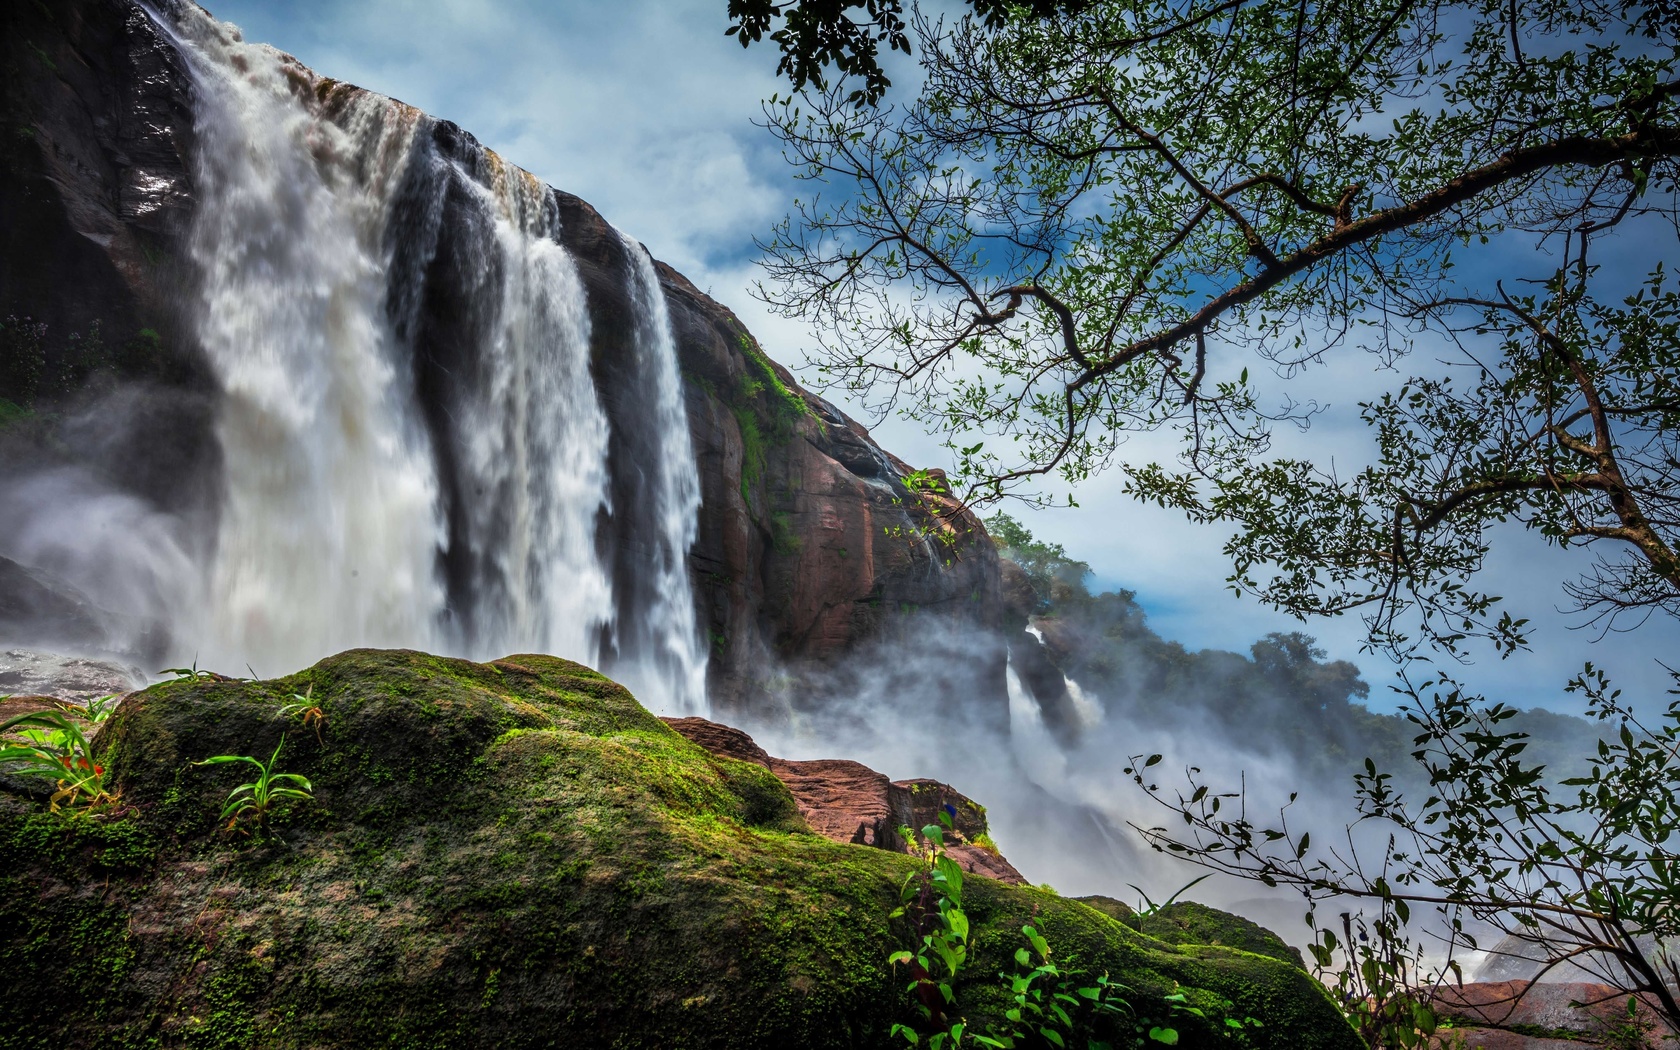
{"type": "Point", "coordinates": [414, 447]}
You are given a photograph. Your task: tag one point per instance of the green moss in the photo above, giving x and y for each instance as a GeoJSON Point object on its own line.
{"type": "Point", "coordinates": [513, 854]}
{"type": "Point", "coordinates": [753, 449]}
{"type": "Point", "coordinates": [12, 414]}
{"type": "Point", "coordinates": [766, 410]}
{"type": "Point", "coordinates": [763, 376]}
{"type": "Point", "coordinates": [783, 536]}
{"type": "Point", "coordinates": [1186, 922]}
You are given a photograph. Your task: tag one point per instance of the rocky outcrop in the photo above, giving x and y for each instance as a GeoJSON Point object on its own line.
{"type": "Point", "coordinates": [846, 801]}
{"type": "Point", "coordinates": [31, 673]}
{"type": "Point", "coordinates": [36, 609]}
{"type": "Point", "coordinates": [811, 543]}
{"type": "Point", "coordinates": [1187, 922]}
{"type": "Point", "coordinates": [511, 855]}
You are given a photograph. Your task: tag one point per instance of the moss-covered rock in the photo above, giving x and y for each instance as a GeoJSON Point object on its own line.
{"type": "Point", "coordinates": [512, 854]}
{"type": "Point", "coordinates": [1186, 922]}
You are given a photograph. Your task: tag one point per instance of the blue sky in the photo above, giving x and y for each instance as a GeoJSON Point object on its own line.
{"type": "Point", "coordinates": [645, 109]}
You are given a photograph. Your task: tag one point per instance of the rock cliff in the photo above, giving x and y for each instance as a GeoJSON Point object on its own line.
{"type": "Point", "coordinates": [811, 544]}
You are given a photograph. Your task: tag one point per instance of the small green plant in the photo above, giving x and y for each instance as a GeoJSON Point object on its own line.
{"type": "Point", "coordinates": [931, 898]}
{"type": "Point", "coordinates": [56, 747]}
{"type": "Point", "coordinates": [1149, 907]}
{"type": "Point", "coordinates": [1380, 977]}
{"type": "Point", "coordinates": [305, 710]}
{"type": "Point", "coordinates": [194, 674]}
{"type": "Point", "coordinates": [257, 800]}
{"type": "Point", "coordinates": [1047, 996]}
{"type": "Point", "coordinates": [1629, 1032]}
{"type": "Point", "coordinates": [23, 359]}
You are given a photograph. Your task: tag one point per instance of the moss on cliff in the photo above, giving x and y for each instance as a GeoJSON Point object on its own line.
{"type": "Point", "coordinates": [766, 410]}
{"type": "Point", "coordinates": [1189, 923]}
{"type": "Point", "coordinates": [513, 854]}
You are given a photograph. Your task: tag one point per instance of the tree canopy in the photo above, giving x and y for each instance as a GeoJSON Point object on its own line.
{"type": "Point", "coordinates": [814, 35]}
{"type": "Point", "coordinates": [1123, 216]}
{"type": "Point", "coordinates": [1098, 219]}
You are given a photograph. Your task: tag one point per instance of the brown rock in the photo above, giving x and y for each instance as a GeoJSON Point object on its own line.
{"type": "Point", "coordinates": [1503, 1015]}
{"type": "Point", "coordinates": [1020, 601]}
{"type": "Point", "coordinates": [720, 739]}
{"type": "Point", "coordinates": [846, 801]}
{"type": "Point", "coordinates": [12, 706]}
{"type": "Point", "coordinates": [978, 860]}
{"type": "Point", "coordinates": [1501, 1039]}
{"type": "Point", "coordinates": [924, 800]}
{"type": "Point", "coordinates": [811, 543]}
{"type": "Point", "coordinates": [842, 800]}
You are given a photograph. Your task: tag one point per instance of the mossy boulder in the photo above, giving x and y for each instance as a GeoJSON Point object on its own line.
{"type": "Point", "coordinates": [512, 854]}
{"type": "Point", "coordinates": [1187, 922]}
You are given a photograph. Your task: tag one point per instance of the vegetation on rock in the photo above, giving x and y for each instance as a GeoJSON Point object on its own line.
{"type": "Point", "coordinates": [512, 854]}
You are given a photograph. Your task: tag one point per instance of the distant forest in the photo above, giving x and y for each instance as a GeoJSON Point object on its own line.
{"type": "Point", "coordinates": [1282, 698]}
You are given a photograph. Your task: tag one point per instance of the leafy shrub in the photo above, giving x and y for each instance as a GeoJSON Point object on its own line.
{"type": "Point", "coordinates": [23, 358]}
{"type": "Point", "coordinates": [1047, 999]}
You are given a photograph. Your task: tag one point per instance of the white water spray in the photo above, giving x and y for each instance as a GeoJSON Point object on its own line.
{"type": "Point", "coordinates": [329, 528]}
{"type": "Point", "coordinates": [1085, 708]}
{"type": "Point", "coordinates": [534, 442]}
{"type": "Point", "coordinates": [359, 508]}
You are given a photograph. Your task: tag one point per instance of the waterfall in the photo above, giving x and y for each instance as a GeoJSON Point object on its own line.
{"type": "Point", "coordinates": [673, 660]}
{"type": "Point", "coordinates": [1087, 711]}
{"type": "Point", "coordinates": [491, 309]}
{"type": "Point", "coordinates": [415, 452]}
{"type": "Point", "coordinates": [329, 527]}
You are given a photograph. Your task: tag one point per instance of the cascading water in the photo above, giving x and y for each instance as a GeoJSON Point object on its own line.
{"type": "Point", "coordinates": [673, 662]}
{"type": "Point", "coordinates": [328, 529]}
{"type": "Point", "coordinates": [491, 309]}
{"type": "Point", "coordinates": [1087, 710]}
{"type": "Point", "coordinates": [414, 448]}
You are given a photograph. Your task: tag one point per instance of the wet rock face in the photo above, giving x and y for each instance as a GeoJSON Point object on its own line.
{"type": "Point", "coordinates": [29, 673]}
{"type": "Point", "coordinates": [811, 545]}
{"type": "Point", "coordinates": [846, 801]}
{"type": "Point", "coordinates": [36, 609]}
{"type": "Point", "coordinates": [94, 178]}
